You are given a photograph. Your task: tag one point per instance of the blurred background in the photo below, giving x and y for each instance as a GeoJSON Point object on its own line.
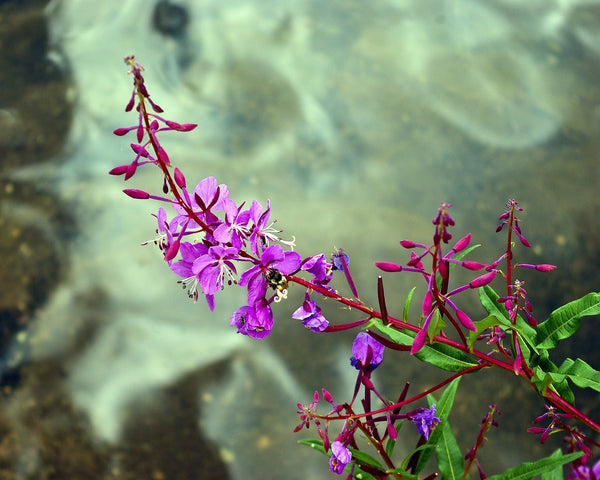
{"type": "Point", "coordinates": [356, 119]}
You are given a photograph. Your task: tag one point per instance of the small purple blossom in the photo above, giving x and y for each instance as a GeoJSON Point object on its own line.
{"type": "Point", "coordinates": [583, 472]}
{"type": "Point", "coordinates": [214, 268]}
{"type": "Point", "coordinates": [340, 457]}
{"type": "Point", "coordinates": [425, 420]}
{"type": "Point", "coordinates": [235, 227]}
{"type": "Point", "coordinates": [340, 258]}
{"type": "Point", "coordinates": [254, 321]}
{"type": "Point", "coordinates": [273, 258]}
{"type": "Point", "coordinates": [206, 197]}
{"type": "Point", "coordinates": [310, 314]}
{"type": "Point", "coordinates": [366, 352]}
{"type": "Point", "coordinates": [263, 232]}
{"type": "Point", "coordinates": [319, 267]}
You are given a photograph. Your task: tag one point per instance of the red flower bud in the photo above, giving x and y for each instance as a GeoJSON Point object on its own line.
{"type": "Point", "coordinates": [135, 193]}
{"type": "Point", "coordinates": [120, 170]}
{"type": "Point", "coordinates": [388, 267]}
{"type": "Point", "coordinates": [462, 243]}
{"type": "Point", "coordinates": [483, 279]}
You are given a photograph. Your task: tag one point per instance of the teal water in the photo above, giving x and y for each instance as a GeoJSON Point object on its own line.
{"type": "Point", "coordinates": [356, 120]}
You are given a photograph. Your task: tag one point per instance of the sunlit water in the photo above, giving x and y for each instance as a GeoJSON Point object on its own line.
{"type": "Point", "coordinates": [356, 119]}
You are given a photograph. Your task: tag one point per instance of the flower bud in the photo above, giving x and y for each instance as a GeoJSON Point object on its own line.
{"type": "Point", "coordinates": [388, 266]}
{"type": "Point", "coordinates": [483, 279]}
{"type": "Point", "coordinates": [179, 178]}
{"type": "Point", "coordinates": [135, 193]}
{"type": "Point", "coordinates": [120, 170]}
{"type": "Point", "coordinates": [462, 243]}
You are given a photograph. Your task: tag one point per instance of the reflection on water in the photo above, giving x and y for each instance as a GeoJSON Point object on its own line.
{"type": "Point", "coordinates": [356, 121]}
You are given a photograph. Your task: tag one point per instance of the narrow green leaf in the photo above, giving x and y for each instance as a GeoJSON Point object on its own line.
{"type": "Point", "coordinates": [363, 458]}
{"type": "Point", "coordinates": [564, 321]}
{"type": "Point", "coordinates": [442, 356]}
{"type": "Point", "coordinates": [448, 454]}
{"type": "Point", "coordinates": [389, 446]}
{"type": "Point", "coordinates": [314, 444]}
{"type": "Point", "coordinates": [529, 470]}
{"type": "Point", "coordinates": [407, 304]}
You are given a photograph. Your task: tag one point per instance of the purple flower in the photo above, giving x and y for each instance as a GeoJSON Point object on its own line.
{"type": "Point", "coordinates": [213, 268]}
{"type": "Point", "coordinates": [165, 231]}
{"type": "Point", "coordinates": [340, 457]}
{"type": "Point", "coordinates": [255, 321]}
{"type": "Point", "coordinates": [263, 231]}
{"type": "Point", "coordinates": [207, 196]}
{"type": "Point", "coordinates": [338, 263]}
{"type": "Point", "coordinates": [273, 259]}
{"type": "Point", "coordinates": [320, 268]}
{"type": "Point", "coordinates": [583, 472]}
{"type": "Point", "coordinates": [310, 314]}
{"type": "Point", "coordinates": [425, 420]}
{"type": "Point", "coordinates": [235, 227]}
{"type": "Point", "coordinates": [366, 352]}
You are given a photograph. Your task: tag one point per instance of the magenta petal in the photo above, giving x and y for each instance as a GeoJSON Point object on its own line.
{"type": "Point", "coordinates": [272, 254]}
{"type": "Point", "coordinates": [290, 263]}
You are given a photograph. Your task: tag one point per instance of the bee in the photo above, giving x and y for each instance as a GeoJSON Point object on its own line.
{"type": "Point", "coordinates": [278, 283]}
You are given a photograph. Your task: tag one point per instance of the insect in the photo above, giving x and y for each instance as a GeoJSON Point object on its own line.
{"type": "Point", "coordinates": [278, 283]}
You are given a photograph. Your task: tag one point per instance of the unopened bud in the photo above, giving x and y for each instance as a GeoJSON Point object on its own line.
{"type": "Point", "coordinates": [135, 193]}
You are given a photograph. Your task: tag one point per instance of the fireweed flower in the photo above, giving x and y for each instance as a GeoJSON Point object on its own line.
{"type": "Point", "coordinates": [340, 457]}
{"type": "Point", "coordinates": [367, 353]}
{"type": "Point", "coordinates": [273, 259]}
{"type": "Point", "coordinates": [235, 227]}
{"type": "Point", "coordinates": [310, 314]}
{"type": "Point", "coordinates": [319, 267]}
{"type": "Point", "coordinates": [214, 268]}
{"type": "Point", "coordinates": [425, 420]}
{"type": "Point", "coordinates": [254, 321]}
{"type": "Point", "coordinates": [583, 472]}
{"type": "Point", "coordinates": [206, 198]}
{"type": "Point", "coordinates": [263, 232]}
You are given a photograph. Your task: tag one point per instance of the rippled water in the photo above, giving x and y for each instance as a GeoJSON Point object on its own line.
{"type": "Point", "coordinates": [356, 119]}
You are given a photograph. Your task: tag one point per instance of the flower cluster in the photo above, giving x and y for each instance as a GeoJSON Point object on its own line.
{"type": "Point", "coordinates": [211, 242]}
{"type": "Point", "coordinates": [209, 238]}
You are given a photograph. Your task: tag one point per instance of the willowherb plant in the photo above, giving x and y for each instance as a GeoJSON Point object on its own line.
{"type": "Point", "coordinates": [212, 243]}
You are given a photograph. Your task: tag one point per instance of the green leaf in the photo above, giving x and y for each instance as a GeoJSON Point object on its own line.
{"type": "Point", "coordinates": [564, 321]}
{"type": "Point", "coordinates": [315, 444]}
{"type": "Point", "coordinates": [407, 304]}
{"type": "Point", "coordinates": [440, 355]}
{"type": "Point", "coordinates": [363, 458]}
{"type": "Point", "coordinates": [449, 456]}
{"type": "Point", "coordinates": [389, 446]}
{"type": "Point", "coordinates": [442, 410]}
{"type": "Point", "coordinates": [581, 374]}
{"type": "Point", "coordinates": [543, 379]}
{"type": "Point", "coordinates": [557, 472]}
{"type": "Point", "coordinates": [436, 324]}
{"type": "Point", "coordinates": [529, 470]}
